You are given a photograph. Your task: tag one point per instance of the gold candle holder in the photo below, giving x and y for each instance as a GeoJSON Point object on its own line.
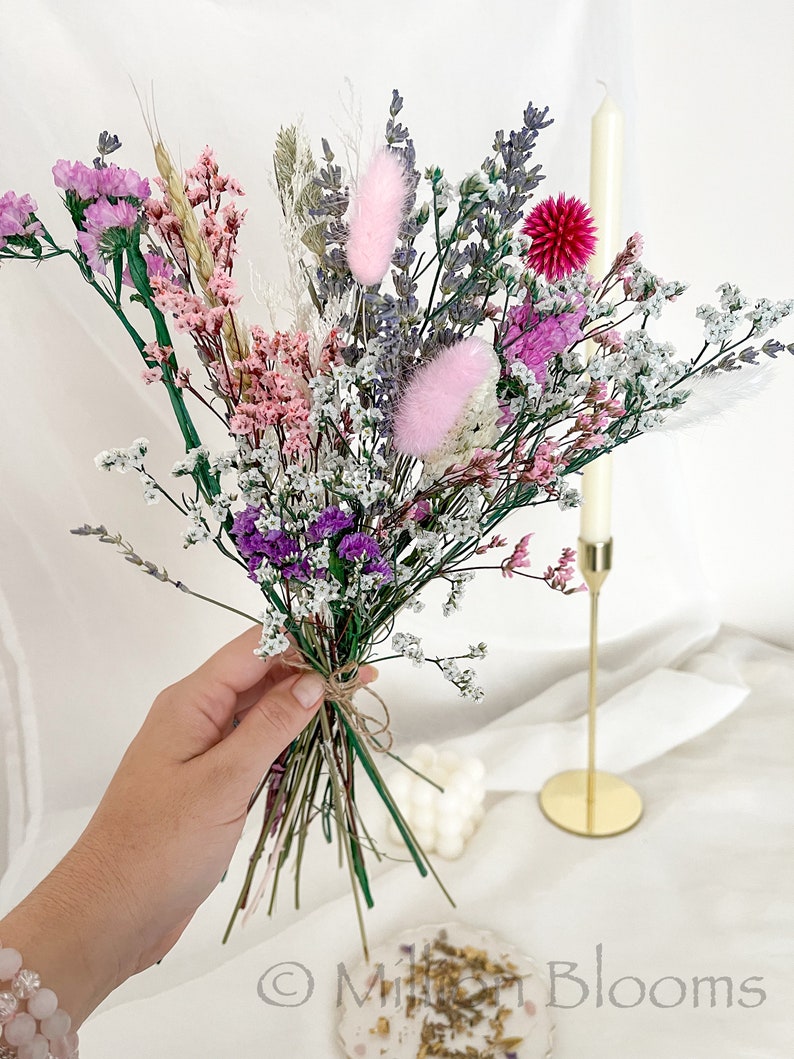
{"type": "Point", "coordinates": [586, 801]}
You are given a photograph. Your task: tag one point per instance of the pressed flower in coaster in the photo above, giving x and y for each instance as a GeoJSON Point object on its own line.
{"type": "Point", "coordinates": [445, 990]}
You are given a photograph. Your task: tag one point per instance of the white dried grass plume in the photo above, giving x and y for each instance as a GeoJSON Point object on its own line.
{"type": "Point", "coordinates": [715, 396]}
{"type": "Point", "coordinates": [293, 181]}
{"type": "Point", "coordinates": [351, 133]}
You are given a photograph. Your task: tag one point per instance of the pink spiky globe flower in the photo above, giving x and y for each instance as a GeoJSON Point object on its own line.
{"type": "Point", "coordinates": [563, 236]}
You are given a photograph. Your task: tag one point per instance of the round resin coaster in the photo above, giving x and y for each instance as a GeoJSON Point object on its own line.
{"type": "Point", "coordinates": [445, 990]}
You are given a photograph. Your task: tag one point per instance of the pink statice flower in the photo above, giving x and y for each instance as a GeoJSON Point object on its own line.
{"type": "Point", "coordinates": [102, 217]}
{"type": "Point", "coordinates": [150, 375]}
{"type": "Point", "coordinates": [156, 265]}
{"type": "Point", "coordinates": [89, 183]}
{"type": "Point", "coordinates": [166, 224]}
{"type": "Point", "coordinates": [157, 353]}
{"type": "Point", "coordinates": [559, 577]}
{"type": "Point", "coordinates": [612, 341]}
{"type": "Point", "coordinates": [76, 177]}
{"type": "Point", "coordinates": [542, 467]}
{"type": "Point", "coordinates": [629, 255]}
{"type": "Point", "coordinates": [519, 557]}
{"type": "Point", "coordinates": [496, 541]}
{"type": "Point", "coordinates": [419, 511]}
{"type": "Point", "coordinates": [273, 397]}
{"type": "Point", "coordinates": [121, 183]}
{"type": "Point", "coordinates": [205, 172]}
{"type": "Point", "coordinates": [17, 218]}
{"type": "Point", "coordinates": [191, 313]}
{"type": "Point", "coordinates": [589, 429]}
{"type": "Point", "coordinates": [482, 469]}
{"type": "Point", "coordinates": [535, 340]}
{"type": "Point", "coordinates": [224, 288]}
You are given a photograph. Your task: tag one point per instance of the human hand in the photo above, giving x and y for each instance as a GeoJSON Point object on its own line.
{"type": "Point", "coordinates": [167, 826]}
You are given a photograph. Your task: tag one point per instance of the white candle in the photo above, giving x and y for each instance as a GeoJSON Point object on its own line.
{"type": "Point", "coordinates": [597, 500]}
{"type": "Point", "coordinates": [606, 173]}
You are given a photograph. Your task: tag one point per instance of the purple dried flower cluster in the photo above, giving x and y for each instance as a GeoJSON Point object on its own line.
{"type": "Point", "coordinates": [285, 553]}
{"type": "Point", "coordinates": [535, 339]}
{"type": "Point", "coordinates": [328, 523]}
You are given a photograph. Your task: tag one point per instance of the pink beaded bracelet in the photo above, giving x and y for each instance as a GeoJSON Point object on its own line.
{"type": "Point", "coordinates": [19, 1036]}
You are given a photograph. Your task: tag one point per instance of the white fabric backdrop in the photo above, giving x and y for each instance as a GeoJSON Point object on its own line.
{"type": "Point", "coordinates": [87, 642]}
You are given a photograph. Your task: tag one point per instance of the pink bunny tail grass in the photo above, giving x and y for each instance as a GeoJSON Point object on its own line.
{"type": "Point", "coordinates": [376, 214]}
{"type": "Point", "coordinates": [437, 395]}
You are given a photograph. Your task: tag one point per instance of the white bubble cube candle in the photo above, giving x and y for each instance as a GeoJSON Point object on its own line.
{"type": "Point", "coordinates": [442, 820]}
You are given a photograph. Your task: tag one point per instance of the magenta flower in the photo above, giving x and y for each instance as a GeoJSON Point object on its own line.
{"type": "Point", "coordinates": [535, 340]}
{"type": "Point", "coordinates": [17, 218]}
{"type": "Point", "coordinates": [419, 511]}
{"type": "Point", "coordinates": [563, 236]}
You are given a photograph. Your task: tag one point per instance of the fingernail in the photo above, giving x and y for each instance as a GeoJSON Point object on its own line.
{"type": "Point", "coordinates": [369, 673]}
{"type": "Point", "coordinates": [308, 689]}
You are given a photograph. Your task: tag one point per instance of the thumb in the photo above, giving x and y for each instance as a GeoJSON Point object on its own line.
{"type": "Point", "coordinates": [270, 725]}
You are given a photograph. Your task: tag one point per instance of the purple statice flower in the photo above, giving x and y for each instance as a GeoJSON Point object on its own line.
{"type": "Point", "coordinates": [16, 219]}
{"type": "Point", "coordinates": [381, 567]}
{"type": "Point", "coordinates": [100, 217]}
{"type": "Point", "coordinates": [280, 548]}
{"type": "Point", "coordinates": [358, 546]}
{"type": "Point", "coordinates": [329, 522]}
{"type": "Point", "coordinates": [299, 570]}
{"type": "Point", "coordinates": [250, 542]}
{"type": "Point", "coordinates": [535, 340]}
{"type": "Point", "coordinates": [245, 521]}
{"type": "Point", "coordinates": [76, 177]}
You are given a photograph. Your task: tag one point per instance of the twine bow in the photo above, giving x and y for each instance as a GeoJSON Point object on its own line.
{"type": "Point", "coordinates": [340, 686]}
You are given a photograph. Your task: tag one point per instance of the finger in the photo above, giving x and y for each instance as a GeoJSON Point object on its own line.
{"type": "Point", "coordinates": [268, 727]}
{"type": "Point", "coordinates": [367, 674]}
{"type": "Point", "coordinates": [205, 701]}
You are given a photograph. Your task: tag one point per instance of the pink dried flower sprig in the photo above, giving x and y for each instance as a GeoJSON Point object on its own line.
{"type": "Point", "coordinates": [275, 397]}
{"type": "Point", "coordinates": [18, 222]}
{"type": "Point", "coordinates": [588, 430]}
{"type": "Point", "coordinates": [542, 467]}
{"type": "Point", "coordinates": [519, 556]}
{"type": "Point", "coordinates": [559, 577]}
{"type": "Point", "coordinates": [88, 183]}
